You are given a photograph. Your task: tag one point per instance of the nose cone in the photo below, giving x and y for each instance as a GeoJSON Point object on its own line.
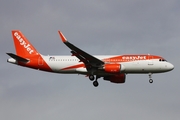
{"type": "Point", "coordinates": [170, 66]}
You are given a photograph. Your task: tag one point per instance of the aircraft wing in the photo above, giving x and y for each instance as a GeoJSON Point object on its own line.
{"type": "Point", "coordinates": [87, 59]}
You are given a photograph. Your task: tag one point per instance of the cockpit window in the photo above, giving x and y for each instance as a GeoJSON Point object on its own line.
{"type": "Point", "coordinates": [162, 60]}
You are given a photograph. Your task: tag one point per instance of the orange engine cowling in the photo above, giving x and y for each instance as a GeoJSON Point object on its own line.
{"type": "Point", "coordinates": [121, 78]}
{"type": "Point", "coordinates": [113, 68]}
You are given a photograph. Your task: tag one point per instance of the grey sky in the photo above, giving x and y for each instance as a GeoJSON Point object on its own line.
{"type": "Point", "coordinates": [98, 27]}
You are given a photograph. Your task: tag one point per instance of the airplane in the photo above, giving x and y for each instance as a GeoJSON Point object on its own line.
{"type": "Point", "coordinates": [113, 68]}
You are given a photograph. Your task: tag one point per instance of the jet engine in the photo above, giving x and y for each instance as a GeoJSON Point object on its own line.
{"type": "Point", "coordinates": [113, 68]}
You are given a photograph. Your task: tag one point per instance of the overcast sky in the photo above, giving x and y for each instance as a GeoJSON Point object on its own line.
{"type": "Point", "coordinates": [97, 27]}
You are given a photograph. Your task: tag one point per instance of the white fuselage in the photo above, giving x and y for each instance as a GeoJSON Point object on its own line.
{"type": "Point", "coordinates": [60, 63]}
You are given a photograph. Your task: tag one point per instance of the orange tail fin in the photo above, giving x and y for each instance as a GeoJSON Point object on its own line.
{"type": "Point", "coordinates": [22, 45]}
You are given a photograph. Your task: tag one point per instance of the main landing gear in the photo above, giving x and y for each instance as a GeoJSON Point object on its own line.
{"type": "Point", "coordinates": [95, 82]}
{"type": "Point", "coordinates": [91, 77]}
{"type": "Point", "coordinates": [150, 78]}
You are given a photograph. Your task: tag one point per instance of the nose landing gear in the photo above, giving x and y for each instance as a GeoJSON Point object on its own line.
{"type": "Point", "coordinates": [150, 78]}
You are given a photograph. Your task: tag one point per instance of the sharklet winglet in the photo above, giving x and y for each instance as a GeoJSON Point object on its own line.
{"type": "Point", "coordinates": [62, 36]}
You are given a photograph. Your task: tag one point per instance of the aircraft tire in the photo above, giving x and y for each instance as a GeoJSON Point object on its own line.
{"type": "Point", "coordinates": [95, 83]}
{"type": "Point", "coordinates": [150, 80]}
{"type": "Point", "coordinates": [91, 77]}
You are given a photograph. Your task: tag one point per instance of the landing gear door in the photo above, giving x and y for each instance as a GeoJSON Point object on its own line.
{"type": "Point", "coordinates": [150, 62]}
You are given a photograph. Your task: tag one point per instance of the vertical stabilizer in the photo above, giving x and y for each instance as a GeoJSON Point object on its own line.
{"type": "Point", "coordinates": [22, 45]}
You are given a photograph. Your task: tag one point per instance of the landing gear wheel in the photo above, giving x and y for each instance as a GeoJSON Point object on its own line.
{"type": "Point", "coordinates": [91, 77]}
{"type": "Point", "coordinates": [150, 76]}
{"type": "Point", "coordinates": [150, 80]}
{"type": "Point", "coordinates": [95, 83]}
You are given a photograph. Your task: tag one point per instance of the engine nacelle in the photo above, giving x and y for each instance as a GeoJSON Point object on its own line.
{"type": "Point", "coordinates": [113, 68]}
{"type": "Point", "coordinates": [121, 78]}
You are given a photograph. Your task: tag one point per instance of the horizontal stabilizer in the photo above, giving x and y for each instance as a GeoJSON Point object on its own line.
{"type": "Point", "coordinates": [18, 58]}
